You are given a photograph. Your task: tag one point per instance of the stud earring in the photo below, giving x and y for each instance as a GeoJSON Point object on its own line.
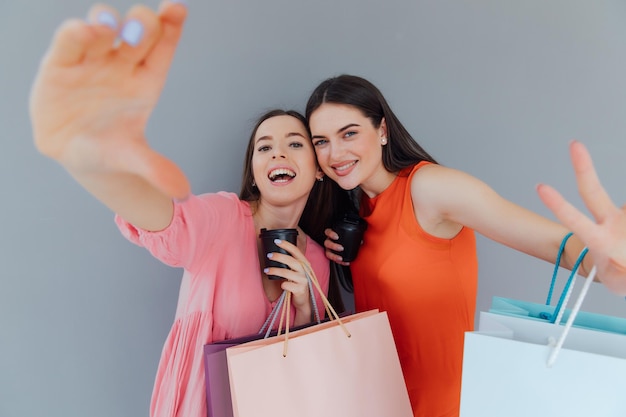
{"type": "Point", "coordinates": [320, 179]}
{"type": "Point", "coordinates": [253, 183]}
{"type": "Point", "coordinates": [383, 141]}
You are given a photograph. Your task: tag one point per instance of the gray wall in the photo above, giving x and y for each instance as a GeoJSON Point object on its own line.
{"type": "Point", "coordinates": [496, 88]}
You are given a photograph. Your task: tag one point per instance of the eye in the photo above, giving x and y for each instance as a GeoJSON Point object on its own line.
{"type": "Point", "coordinates": [296, 144]}
{"type": "Point", "coordinates": [349, 134]}
{"type": "Point", "coordinates": [264, 148]}
{"type": "Point", "coordinates": [319, 142]}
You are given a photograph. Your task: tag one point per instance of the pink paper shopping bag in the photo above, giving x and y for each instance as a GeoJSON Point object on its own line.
{"type": "Point", "coordinates": [325, 372]}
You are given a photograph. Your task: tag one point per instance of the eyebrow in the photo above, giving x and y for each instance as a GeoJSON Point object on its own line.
{"type": "Point", "coordinates": [348, 126]}
{"type": "Point", "coordinates": [290, 134]}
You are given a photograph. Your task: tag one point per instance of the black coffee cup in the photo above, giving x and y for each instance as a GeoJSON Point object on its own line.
{"type": "Point", "coordinates": [268, 245]}
{"type": "Point", "coordinates": [350, 230]}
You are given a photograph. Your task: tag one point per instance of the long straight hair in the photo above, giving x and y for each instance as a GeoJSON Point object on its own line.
{"type": "Point", "coordinates": [402, 150]}
{"type": "Point", "coordinates": [325, 205]}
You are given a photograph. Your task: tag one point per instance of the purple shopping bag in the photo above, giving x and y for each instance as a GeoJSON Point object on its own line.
{"type": "Point", "coordinates": [217, 384]}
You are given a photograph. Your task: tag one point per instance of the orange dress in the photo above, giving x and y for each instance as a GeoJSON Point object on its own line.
{"type": "Point", "coordinates": [428, 287]}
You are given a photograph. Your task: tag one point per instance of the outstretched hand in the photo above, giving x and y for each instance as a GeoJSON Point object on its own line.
{"type": "Point", "coordinates": [605, 235]}
{"type": "Point", "coordinates": [96, 88]}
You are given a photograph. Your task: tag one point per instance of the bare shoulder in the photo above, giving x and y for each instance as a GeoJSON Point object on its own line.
{"type": "Point", "coordinates": [434, 181]}
{"type": "Point", "coordinates": [442, 193]}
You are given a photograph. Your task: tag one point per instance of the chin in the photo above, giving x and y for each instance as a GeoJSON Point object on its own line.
{"type": "Point", "coordinates": [347, 184]}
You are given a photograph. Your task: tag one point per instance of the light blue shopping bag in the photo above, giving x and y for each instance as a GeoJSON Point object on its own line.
{"type": "Point", "coordinates": [542, 312]}
{"type": "Point", "coordinates": [549, 313]}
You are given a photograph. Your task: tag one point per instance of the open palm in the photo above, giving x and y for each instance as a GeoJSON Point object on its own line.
{"type": "Point", "coordinates": [92, 96]}
{"type": "Point", "coordinates": [605, 235]}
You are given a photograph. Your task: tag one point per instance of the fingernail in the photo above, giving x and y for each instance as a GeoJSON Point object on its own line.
{"type": "Point", "coordinates": [269, 255]}
{"type": "Point", "coordinates": [107, 19]}
{"type": "Point", "coordinates": [266, 270]}
{"type": "Point", "coordinates": [278, 241]}
{"type": "Point", "coordinates": [181, 200]}
{"type": "Point", "coordinates": [132, 32]}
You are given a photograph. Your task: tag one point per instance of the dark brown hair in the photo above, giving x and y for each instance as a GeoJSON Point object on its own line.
{"type": "Point", "coordinates": [326, 203]}
{"type": "Point", "coordinates": [401, 150]}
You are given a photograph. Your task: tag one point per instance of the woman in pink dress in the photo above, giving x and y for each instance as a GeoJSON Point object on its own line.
{"type": "Point", "coordinates": [89, 107]}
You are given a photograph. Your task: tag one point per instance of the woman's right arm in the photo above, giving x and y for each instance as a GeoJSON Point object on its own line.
{"type": "Point", "coordinates": [90, 103]}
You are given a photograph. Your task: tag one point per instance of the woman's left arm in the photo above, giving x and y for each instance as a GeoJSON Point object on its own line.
{"type": "Point", "coordinates": [605, 235]}
{"type": "Point", "coordinates": [450, 197]}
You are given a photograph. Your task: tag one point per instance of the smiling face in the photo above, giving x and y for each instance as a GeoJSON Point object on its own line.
{"type": "Point", "coordinates": [349, 147]}
{"type": "Point", "coordinates": [283, 161]}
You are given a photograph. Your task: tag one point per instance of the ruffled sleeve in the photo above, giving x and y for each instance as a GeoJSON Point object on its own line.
{"type": "Point", "coordinates": [196, 226]}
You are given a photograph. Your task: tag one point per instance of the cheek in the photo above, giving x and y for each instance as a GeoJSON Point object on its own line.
{"type": "Point", "coordinates": [256, 167]}
{"type": "Point", "coordinates": [322, 154]}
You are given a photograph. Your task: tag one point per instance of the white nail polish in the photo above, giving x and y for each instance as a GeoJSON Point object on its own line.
{"type": "Point", "coordinates": [107, 19]}
{"type": "Point", "coordinates": [132, 32]}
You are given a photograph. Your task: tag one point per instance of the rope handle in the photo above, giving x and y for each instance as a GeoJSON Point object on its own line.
{"type": "Point", "coordinates": [268, 325]}
{"type": "Point", "coordinates": [279, 309]}
{"type": "Point", "coordinates": [557, 265]}
{"type": "Point", "coordinates": [560, 307]}
{"type": "Point", "coordinates": [563, 299]}
{"type": "Point", "coordinates": [570, 320]}
{"type": "Point", "coordinates": [271, 318]}
{"type": "Point", "coordinates": [283, 308]}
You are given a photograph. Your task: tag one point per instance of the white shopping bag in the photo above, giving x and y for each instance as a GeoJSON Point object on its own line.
{"type": "Point", "coordinates": [505, 371]}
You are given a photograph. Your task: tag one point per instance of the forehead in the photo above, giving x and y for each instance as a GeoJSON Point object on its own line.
{"type": "Point", "coordinates": [333, 115]}
{"type": "Point", "coordinates": [280, 126]}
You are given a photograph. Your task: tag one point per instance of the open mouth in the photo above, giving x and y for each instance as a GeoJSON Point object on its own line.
{"type": "Point", "coordinates": [279, 175]}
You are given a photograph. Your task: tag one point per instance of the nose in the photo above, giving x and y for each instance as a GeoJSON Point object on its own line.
{"type": "Point", "coordinates": [336, 151]}
{"type": "Point", "coordinates": [278, 152]}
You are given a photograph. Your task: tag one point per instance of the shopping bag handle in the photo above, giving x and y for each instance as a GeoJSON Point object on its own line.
{"type": "Point", "coordinates": [283, 307]}
{"type": "Point", "coordinates": [563, 299]}
{"type": "Point", "coordinates": [557, 264]}
{"type": "Point", "coordinates": [276, 310]}
{"type": "Point", "coordinates": [570, 320]}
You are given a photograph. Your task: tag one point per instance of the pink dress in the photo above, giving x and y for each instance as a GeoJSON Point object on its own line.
{"type": "Point", "coordinates": [213, 238]}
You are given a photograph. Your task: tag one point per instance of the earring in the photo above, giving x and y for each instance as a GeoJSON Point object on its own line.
{"type": "Point", "coordinates": [320, 179]}
{"type": "Point", "coordinates": [383, 141]}
{"type": "Point", "coordinates": [253, 183]}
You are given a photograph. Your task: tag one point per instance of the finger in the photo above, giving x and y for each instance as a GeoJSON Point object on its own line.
{"type": "Point", "coordinates": [105, 22]}
{"type": "Point", "coordinates": [332, 245]}
{"type": "Point", "coordinates": [292, 249]}
{"type": "Point", "coordinates": [287, 260]}
{"type": "Point", "coordinates": [69, 44]}
{"type": "Point", "coordinates": [591, 190]}
{"type": "Point", "coordinates": [294, 288]}
{"type": "Point", "coordinates": [286, 274]}
{"type": "Point", "coordinates": [336, 258]}
{"type": "Point", "coordinates": [140, 31]}
{"type": "Point", "coordinates": [172, 15]}
{"type": "Point", "coordinates": [330, 234]}
{"type": "Point", "coordinates": [567, 214]}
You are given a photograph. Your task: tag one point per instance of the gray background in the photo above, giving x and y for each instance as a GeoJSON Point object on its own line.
{"type": "Point", "coordinates": [496, 88]}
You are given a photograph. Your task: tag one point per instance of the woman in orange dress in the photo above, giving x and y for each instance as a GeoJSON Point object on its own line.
{"type": "Point", "coordinates": [418, 259]}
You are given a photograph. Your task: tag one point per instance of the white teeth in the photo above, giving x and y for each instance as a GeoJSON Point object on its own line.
{"type": "Point", "coordinates": [346, 166]}
{"type": "Point", "coordinates": [280, 171]}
